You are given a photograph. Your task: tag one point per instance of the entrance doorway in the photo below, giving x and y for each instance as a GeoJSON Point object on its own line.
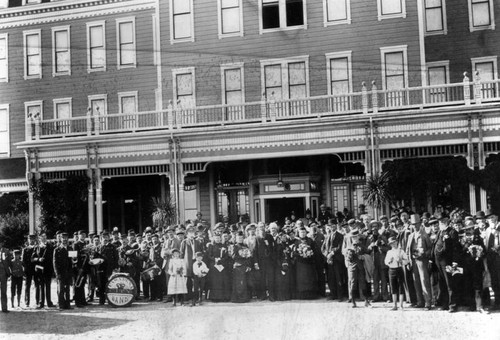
{"type": "Point", "coordinates": [279, 208]}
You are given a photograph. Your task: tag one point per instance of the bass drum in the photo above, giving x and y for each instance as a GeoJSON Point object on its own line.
{"type": "Point", "coordinates": [121, 290]}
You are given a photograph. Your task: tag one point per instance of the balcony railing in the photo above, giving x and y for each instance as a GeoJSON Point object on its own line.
{"type": "Point", "coordinates": [177, 116]}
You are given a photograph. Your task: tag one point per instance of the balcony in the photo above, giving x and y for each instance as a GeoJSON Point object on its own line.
{"type": "Point", "coordinates": [177, 117]}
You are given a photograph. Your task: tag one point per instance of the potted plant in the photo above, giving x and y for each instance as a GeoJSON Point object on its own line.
{"type": "Point", "coordinates": [376, 193]}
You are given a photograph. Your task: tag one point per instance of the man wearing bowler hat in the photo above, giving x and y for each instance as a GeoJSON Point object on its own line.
{"type": "Point", "coordinates": [446, 252]}
{"type": "Point", "coordinates": [419, 251]}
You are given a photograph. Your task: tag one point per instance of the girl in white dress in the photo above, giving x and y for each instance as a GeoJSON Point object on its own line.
{"type": "Point", "coordinates": [177, 282]}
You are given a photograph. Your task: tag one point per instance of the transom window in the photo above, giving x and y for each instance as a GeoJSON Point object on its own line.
{"type": "Point", "coordinates": [280, 14]}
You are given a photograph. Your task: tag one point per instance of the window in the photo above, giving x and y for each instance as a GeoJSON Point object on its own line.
{"type": "Point", "coordinates": [395, 73]}
{"type": "Point", "coordinates": [282, 14]}
{"type": "Point", "coordinates": [32, 54]}
{"type": "Point", "coordinates": [438, 73]}
{"type": "Point", "coordinates": [125, 29]}
{"type": "Point", "coordinates": [62, 108]}
{"type": "Point", "coordinates": [488, 72]}
{"type": "Point", "coordinates": [230, 18]}
{"type": "Point", "coordinates": [233, 92]}
{"type": "Point", "coordinates": [388, 9]}
{"type": "Point", "coordinates": [435, 17]}
{"type": "Point", "coordinates": [185, 93]}
{"type": "Point", "coordinates": [287, 79]}
{"type": "Point", "coordinates": [4, 131]}
{"type": "Point", "coordinates": [481, 15]}
{"type": "Point", "coordinates": [33, 111]}
{"type": "Point", "coordinates": [339, 79]}
{"type": "Point", "coordinates": [96, 46]}
{"type": "Point", "coordinates": [191, 199]}
{"type": "Point", "coordinates": [181, 22]}
{"type": "Point", "coordinates": [337, 12]}
{"type": "Point", "coordinates": [127, 105]}
{"type": "Point", "coordinates": [4, 58]}
{"type": "Point", "coordinates": [61, 56]}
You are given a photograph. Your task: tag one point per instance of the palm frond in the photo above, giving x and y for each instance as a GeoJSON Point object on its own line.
{"type": "Point", "coordinates": [164, 211]}
{"type": "Point", "coordinates": [376, 193]}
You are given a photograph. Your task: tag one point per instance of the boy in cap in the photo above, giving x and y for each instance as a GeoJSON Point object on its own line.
{"type": "Point", "coordinates": [200, 271]}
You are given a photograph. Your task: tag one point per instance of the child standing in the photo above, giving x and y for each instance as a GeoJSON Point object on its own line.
{"type": "Point", "coordinates": [17, 278]}
{"type": "Point", "coordinates": [177, 284]}
{"type": "Point", "coordinates": [200, 270]}
{"type": "Point", "coordinates": [396, 259]}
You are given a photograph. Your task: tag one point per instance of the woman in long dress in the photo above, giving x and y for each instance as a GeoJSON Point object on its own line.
{"type": "Point", "coordinates": [217, 254]}
{"type": "Point", "coordinates": [306, 276]}
{"type": "Point", "coordinates": [283, 269]}
{"type": "Point", "coordinates": [177, 285]}
{"type": "Point", "coordinates": [242, 261]}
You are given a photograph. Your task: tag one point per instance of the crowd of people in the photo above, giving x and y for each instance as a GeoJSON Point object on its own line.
{"type": "Point", "coordinates": [441, 260]}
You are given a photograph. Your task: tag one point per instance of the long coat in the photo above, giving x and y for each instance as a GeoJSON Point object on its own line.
{"type": "Point", "coordinates": [62, 264]}
{"type": "Point", "coordinates": [189, 247]}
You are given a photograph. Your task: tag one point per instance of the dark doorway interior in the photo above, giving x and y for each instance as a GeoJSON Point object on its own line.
{"type": "Point", "coordinates": [279, 208]}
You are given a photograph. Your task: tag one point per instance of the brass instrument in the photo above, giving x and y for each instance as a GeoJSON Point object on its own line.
{"type": "Point", "coordinates": [80, 278]}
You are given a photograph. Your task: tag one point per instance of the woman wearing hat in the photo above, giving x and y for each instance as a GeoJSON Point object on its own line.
{"type": "Point", "coordinates": [396, 259]}
{"type": "Point", "coordinates": [305, 255]}
{"type": "Point", "coordinates": [218, 263]}
{"type": "Point", "coordinates": [243, 260]}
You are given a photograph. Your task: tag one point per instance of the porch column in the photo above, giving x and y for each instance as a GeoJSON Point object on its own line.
{"type": "Point", "coordinates": [484, 201]}
{"type": "Point", "coordinates": [211, 191]}
{"type": "Point", "coordinates": [182, 216]}
{"type": "Point", "coordinates": [472, 199]}
{"type": "Point", "coordinates": [262, 211]}
{"type": "Point", "coordinates": [98, 202]}
{"type": "Point", "coordinates": [328, 189]}
{"type": "Point", "coordinates": [31, 207]}
{"type": "Point", "coordinates": [91, 205]}
{"type": "Point", "coordinates": [163, 187]}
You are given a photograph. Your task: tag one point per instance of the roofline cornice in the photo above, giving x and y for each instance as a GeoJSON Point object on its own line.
{"type": "Point", "coordinates": [67, 10]}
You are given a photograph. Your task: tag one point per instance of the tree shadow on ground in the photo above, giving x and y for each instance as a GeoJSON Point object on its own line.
{"type": "Point", "coordinates": [54, 323]}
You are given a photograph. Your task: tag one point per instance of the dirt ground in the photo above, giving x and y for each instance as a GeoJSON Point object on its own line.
{"type": "Point", "coordinates": [310, 320]}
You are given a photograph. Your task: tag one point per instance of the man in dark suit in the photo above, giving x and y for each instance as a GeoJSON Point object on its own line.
{"type": "Point", "coordinates": [446, 251]}
{"type": "Point", "coordinates": [332, 251]}
{"type": "Point", "coordinates": [492, 245]}
{"type": "Point", "coordinates": [189, 247]}
{"type": "Point", "coordinates": [403, 236]}
{"type": "Point", "coordinates": [155, 257]}
{"type": "Point", "coordinates": [5, 270]}
{"type": "Point", "coordinates": [42, 259]}
{"type": "Point", "coordinates": [62, 269]}
{"type": "Point", "coordinates": [266, 256]}
{"type": "Point", "coordinates": [29, 267]}
{"type": "Point", "coordinates": [80, 269]}
{"type": "Point", "coordinates": [109, 253]}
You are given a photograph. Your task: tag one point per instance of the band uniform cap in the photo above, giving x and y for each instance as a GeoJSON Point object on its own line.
{"type": "Point", "coordinates": [469, 218]}
{"type": "Point", "coordinates": [63, 234]}
{"type": "Point", "coordinates": [374, 224]}
{"type": "Point", "coordinates": [180, 231]}
{"type": "Point", "coordinates": [308, 211]}
{"type": "Point", "coordinates": [131, 233]}
{"type": "Point", "coordinates": [426, 215]}
{"type": "Point", "coordinates": [480, 215]}
{"type": "Point", "coordinates": [392, 239]}
{"type": "Point", "coordinates": [104, 232]}
{"type": "Point", "coordinates": [200, 227]}
{"type": "Point", "coordinates": [94, 236]}
{"type": "Point", "coordinates": [351, 221]}
{"type": "Point", "coordinates": [383, 217]}
{"type": "Point", "coordinates": [82, 232]}
{"type": "Point", "coordinates": [414, 219]}
{"type": "Point", "coordinates": [332, 221]}
{"type": "Point", "coordinates": [148, 229]}
{"type": "Point", "coordinates": [433, 220]}
{"type": "Point", "coordinates": [170, 228]}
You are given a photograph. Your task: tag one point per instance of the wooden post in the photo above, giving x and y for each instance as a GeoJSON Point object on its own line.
{"type": "Point", "coordinates": [477, 88]}
{"type": "Point", "coordinates": [263, 108]}
{"type": "Point", "coordinates": [97, 122]}
{"type": "Point", "coordinates": [37, 127]}
{"type": "Point", "coordinates": [364, 98]}
{"type": "Point", "coordinates": [466, 83]}
{"type": "Point", "coordinates": [89, 121]}
{"type": "Point", "coordinates": [374, 97]}
{"type": "Point", "coordinates": [170, 115]}
{"type": "Point", "coordinates": [272, 108]}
